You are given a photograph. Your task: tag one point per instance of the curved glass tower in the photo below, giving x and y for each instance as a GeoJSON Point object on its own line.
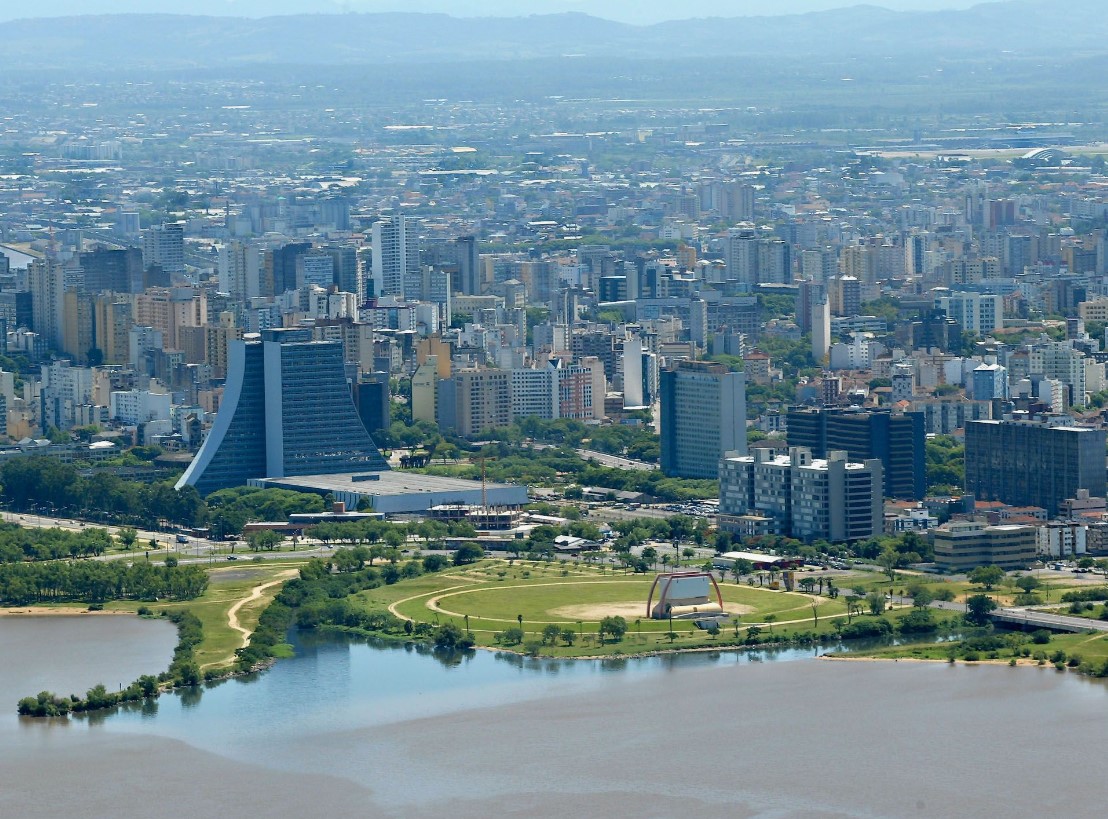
{"type": "Point", "coordinates": [286, 411]}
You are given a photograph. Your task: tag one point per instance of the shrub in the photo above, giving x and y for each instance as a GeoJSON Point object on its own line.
{"type": "Point", "coordinates": [971, 656]}
{"type": "Point", "coordinates": [1040, 636]}
{"type": "Point", "coordinates": [877, 627]}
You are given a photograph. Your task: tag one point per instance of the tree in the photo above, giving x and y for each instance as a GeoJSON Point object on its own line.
{"type": "Point", "coordinates": [450, 637]}
{"type": "Point", "coordinates": [650, 555]}
{"type": "Point", "coordinates": [978, 608]}
{"type": "Point", "coordinates": [1028, 583]}
{"type": "Point", "coordinates": [265, 539]}
{"type": "Point", "coordinates": [853, 606]}
{"type": "Point", "coordinates": [987, 576]}
{"type": "Point", "coordinates": [127, 537]}
{"type": "Point", "coordinates": [615, 627]}
{"type": "Point", "coordinates": [568, 635]}
{"type": "Point", "coordinates": [888, 560]}
{"type": "Point", "coordinates": [770, 620]}
{"type": "Point", "coordinates": [876, 602]}
{"type": "Point", "coordinates": [511, 636]}
{"type": "Point", "coordinates": [550, 633]}
{"type": "Point", "coordinates": [922, 597]}
{"type": "Point", "coordinates": [468, 553]}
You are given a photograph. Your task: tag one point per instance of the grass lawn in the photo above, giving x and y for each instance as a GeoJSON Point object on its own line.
{"type": "Point", "coordinates": [227, 586]}
{"type": "Point", "coordinates": [1089, 647]}
{"type": "Point", "coordinates": [494, 593]}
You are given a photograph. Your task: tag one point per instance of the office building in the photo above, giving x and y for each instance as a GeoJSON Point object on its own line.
{"type": "Point", "coordinates": [286, 411]}
{"type": "Point", "coordinates": [963, 545]}
{"type": "Point", "coordinates": [1030, 463]}
{"type": "Point", "coordinates": [703, 417]}
{"type": "Point", "coordinates": [896, 439]}
{"type": "Point", "coordinates": [801, 496]}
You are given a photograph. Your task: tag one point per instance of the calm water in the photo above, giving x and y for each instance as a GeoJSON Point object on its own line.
{"type": "Point", "coordinates": [352, 730]}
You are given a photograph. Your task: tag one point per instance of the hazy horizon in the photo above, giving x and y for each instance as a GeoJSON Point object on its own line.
{"type": "Point", "coordinates": [627, 11]}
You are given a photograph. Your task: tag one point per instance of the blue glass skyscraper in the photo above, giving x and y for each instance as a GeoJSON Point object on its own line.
{"type": "Point", "coordinates": [286, 411]}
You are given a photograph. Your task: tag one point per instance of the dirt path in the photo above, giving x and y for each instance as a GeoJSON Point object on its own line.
{"type": "Point", "coordinates": [233, 612]}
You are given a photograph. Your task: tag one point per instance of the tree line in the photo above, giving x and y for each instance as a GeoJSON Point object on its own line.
{"type": "Point", "coordinates": [97, 582]}
{"type": "Point", "coordinates": [18, 543]}
{"type": "Point", "coordinates": [47, 484]}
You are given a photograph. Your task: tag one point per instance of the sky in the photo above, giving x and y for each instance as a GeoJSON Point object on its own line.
{"type": "Point", "coordinates": [628, 11]}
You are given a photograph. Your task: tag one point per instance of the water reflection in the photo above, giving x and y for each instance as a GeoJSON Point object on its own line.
{"type": "Point", "coordinates": [190, 697]}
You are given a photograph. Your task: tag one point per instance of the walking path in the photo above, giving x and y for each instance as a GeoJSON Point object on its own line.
{"type": "Point", "coordinates": [233, 612]}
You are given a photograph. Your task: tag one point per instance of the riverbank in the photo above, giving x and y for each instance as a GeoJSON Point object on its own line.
{"type": "Point", "coordinates": [61, 610]}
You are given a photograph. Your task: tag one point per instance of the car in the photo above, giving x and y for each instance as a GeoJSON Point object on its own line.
{"type": "Point", "coordinates": [232, 557]}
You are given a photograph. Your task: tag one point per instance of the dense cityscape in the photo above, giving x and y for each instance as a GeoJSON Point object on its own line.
{"type": "Point", "coordinates": [457, 348]}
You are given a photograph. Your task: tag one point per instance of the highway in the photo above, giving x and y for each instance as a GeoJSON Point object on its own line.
{"type": "Point", "coordinates": [616, 461]}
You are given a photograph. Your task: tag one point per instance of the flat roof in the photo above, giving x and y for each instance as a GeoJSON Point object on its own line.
{"type": "Point", "coordinates": [755, 557]}
{"type": "Point", "coordinates": [395, 491]}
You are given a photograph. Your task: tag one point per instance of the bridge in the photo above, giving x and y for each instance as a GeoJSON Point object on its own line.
{"type": "Point", "coordinates": [1026, 619]}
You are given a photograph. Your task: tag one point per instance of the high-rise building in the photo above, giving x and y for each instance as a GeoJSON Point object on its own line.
{"type": "Point", "coordinates": [279, 273]}
{"type": "Point", "coordinates": [395, 257]}
{"type": "Point", "coordinates": [286, 411]}
{"type": "Point", "coordinates": [1031, 463]}
{"type": "Point", "coordinates": [240, 270]}
{"type": "Point", "coordinates": [990, 380]}
{"type": "Point", "coordinates": [372, 400]}
{"type": "Point", "coordinates": [118, 271]}
{"type": "Point", "coordinates": [47, 284]}
{"type": "Point", "coordinates": [482, 400]}
{"type": "Point", "coordinates": [977, 313]}
{"type": "Point", "coordinates": [896, 439]}
{"type": "Point", "coordinates": [164, 245]}
{"type": "Point", "coordinates": [469, 266]}
{"type": "Point", "coordinates": [821, 330]}
{"type": "Point", "coordinates": [703, 417]}
{"type": "Point", "coordinates": [801, 496]}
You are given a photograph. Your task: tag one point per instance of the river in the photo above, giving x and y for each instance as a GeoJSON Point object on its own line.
{"type": "Point", "coordinates": [349, 729]}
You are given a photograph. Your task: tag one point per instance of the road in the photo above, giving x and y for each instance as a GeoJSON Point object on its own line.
{"type": "Point", "coordinates": [1058, 622]}
{"type": "Point", "coordinates": [616, 461]}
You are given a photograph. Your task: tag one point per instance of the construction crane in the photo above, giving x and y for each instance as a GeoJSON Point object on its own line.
{"type": "Point", "coordinates": [482, 459]}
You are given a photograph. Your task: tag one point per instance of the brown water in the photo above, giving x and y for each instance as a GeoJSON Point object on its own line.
{"type": "Point", "coordinates": [353, 730]}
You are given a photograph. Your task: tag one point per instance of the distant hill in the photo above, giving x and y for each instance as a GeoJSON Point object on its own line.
{"type": "Point", "coordinates": [157, 41]}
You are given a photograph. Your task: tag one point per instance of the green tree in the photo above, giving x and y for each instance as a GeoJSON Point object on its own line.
{"type": "Point", "coordinates": [127, 537]}
{"type": "Point", "coordinates": [978, 608]}
{"type": "Point", "coordinates": [264, 539]}
{"type": "Point", "coordinates": [876, 602]}
{"type": "Point", "coordinates": [468, 553]}
{"type": "Point", "coordinates": [987, 576]}
{"type": "Point", "coordinates": [614, 627]}
{"type": "Point", "coordinates": [922, 597]}
{"type": "Point", "coordinates": [1028, 583]}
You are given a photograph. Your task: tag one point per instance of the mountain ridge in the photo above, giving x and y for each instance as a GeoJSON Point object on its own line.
{"type": "Point", "coordinates": [179, 41]}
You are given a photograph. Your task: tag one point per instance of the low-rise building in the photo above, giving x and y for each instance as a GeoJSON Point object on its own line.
{"type": "Point", "coordinates": [963, 545]}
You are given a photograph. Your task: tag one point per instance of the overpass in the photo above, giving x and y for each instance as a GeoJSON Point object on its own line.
{"type": "Point", "coordinates": [1027, 619]}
